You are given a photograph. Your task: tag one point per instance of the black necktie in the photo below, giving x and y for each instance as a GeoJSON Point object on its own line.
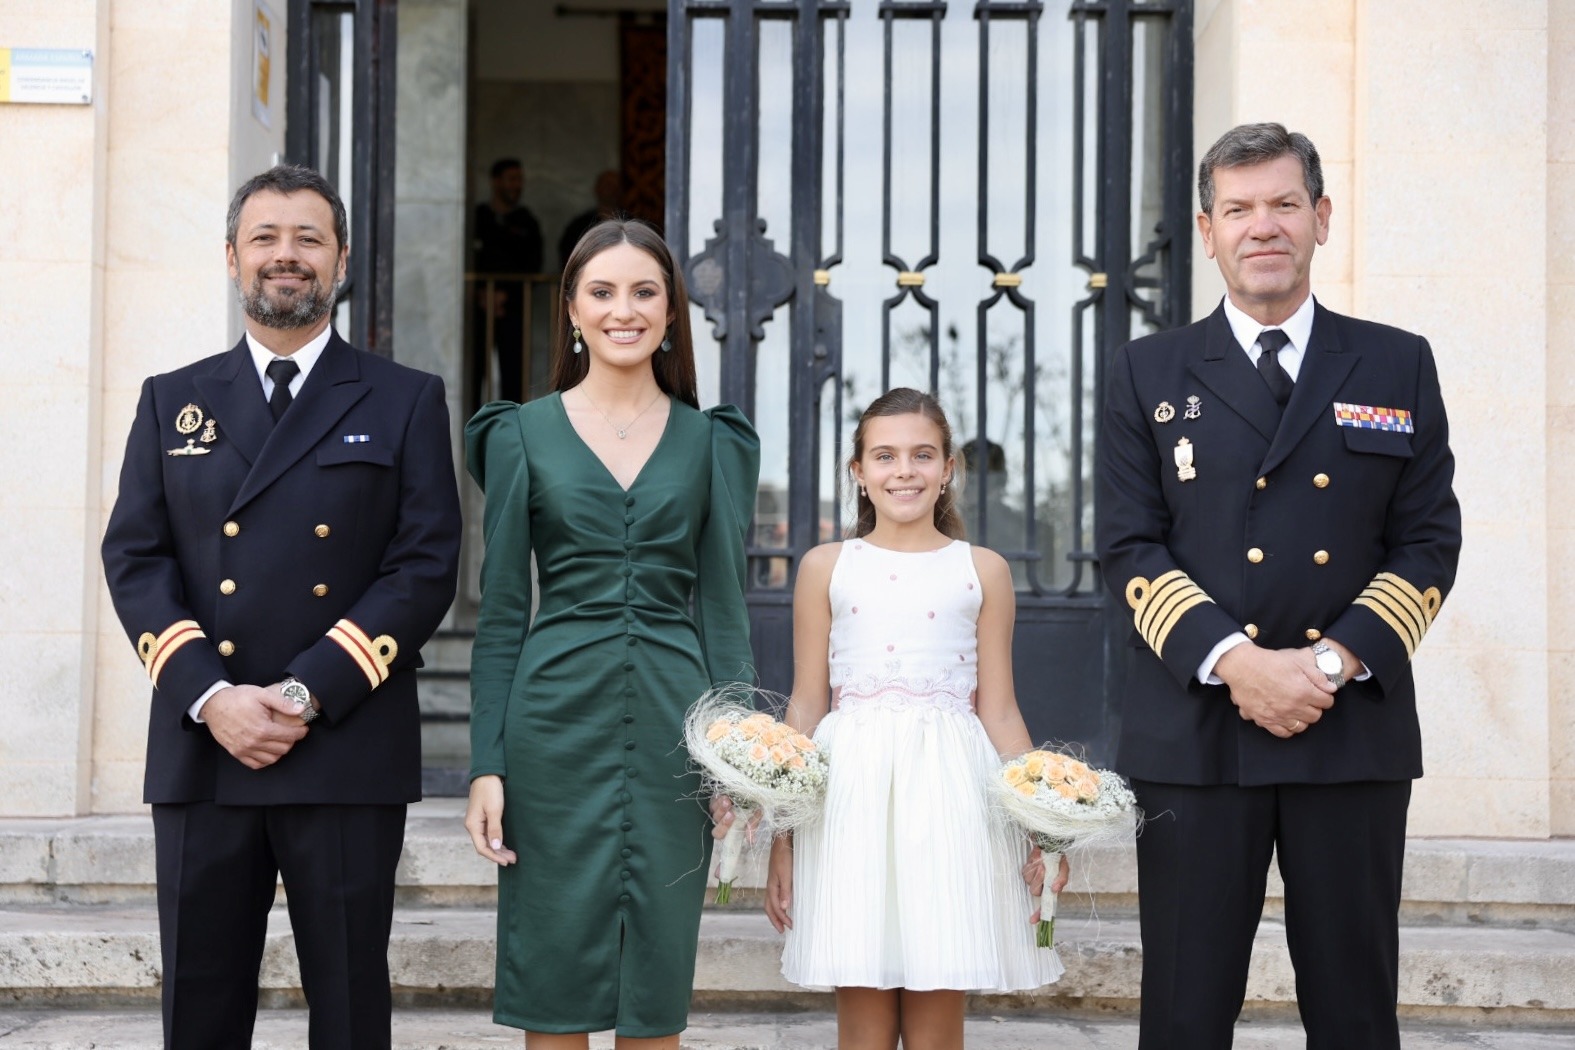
{"type": "Point", "coordinates": [281, 371]}
{"type": "Point", "coordinates": [1273, 340]}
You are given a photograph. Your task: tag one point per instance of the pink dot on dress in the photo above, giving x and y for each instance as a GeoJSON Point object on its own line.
{"type": "Point", "coordinates": [931, 614]}
{"type": "Point", "coordinates": [894, 576]}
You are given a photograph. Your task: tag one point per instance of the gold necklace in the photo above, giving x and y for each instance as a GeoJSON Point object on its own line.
{"type": "Point", "coordinates": [622, 431]}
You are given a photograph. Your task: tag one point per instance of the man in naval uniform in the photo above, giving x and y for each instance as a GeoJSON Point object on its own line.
{"type": "Point", "coordinates": [285, 539]}
{"type": "Point", "coordinates": [1276, 514]}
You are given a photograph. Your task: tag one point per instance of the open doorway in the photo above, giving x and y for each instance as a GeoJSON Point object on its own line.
{"type": "Point", "coordinates": [566, 121]}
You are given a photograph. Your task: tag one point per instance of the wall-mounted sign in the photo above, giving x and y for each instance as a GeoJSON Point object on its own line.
{"type": "Point", "coordinates": [262, 64]}
{"type": "Point", "coordinates": [46, 74]}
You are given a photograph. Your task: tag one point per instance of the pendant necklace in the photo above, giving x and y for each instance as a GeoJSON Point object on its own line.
{"type": "Point", "coordinates": [622, 431]}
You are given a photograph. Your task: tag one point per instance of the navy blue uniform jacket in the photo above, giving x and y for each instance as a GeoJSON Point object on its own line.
{"type": "Point", "coordinates": [325, 547]}
{"type": "Point", "coordinates": [1291, 529]}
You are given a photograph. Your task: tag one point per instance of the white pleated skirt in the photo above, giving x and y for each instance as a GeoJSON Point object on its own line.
{"type": "Point", "coordinates": [902, 884]}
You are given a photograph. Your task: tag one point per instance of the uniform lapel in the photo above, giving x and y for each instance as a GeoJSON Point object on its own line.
{"type": "Point", "coordinates": [1226, 370]}
{"type": "Point", "coordinates": [234, 399]}
{"type": "Point", "coordinates": [333, 385]}
{"type": "Point", "coordinates": [1325, 366]}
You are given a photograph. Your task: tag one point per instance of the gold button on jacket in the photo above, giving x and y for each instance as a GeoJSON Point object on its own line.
{"type": "Point", "coordinates": [1255, 555]}
{"type": "Point", "coordinates": [232, 528]}
{"type": "Point", "coordinates": [320, 590]}
{"type": "Point", "coordinates": [1320, 481]}
{"type": "Point", "coordinates": [1321, 557]}
{"type": "Point", "coordinates": [226, 648]}
{"type": "Point", "coordinates": [322, 531]}
{"type": "Point", "coordinates": [226, 586]}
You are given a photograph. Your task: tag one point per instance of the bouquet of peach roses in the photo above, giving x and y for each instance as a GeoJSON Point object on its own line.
{"type": "Point", "coordinates": [1061, 803]}
{"type": "Point", "coordinates": [764, 766]}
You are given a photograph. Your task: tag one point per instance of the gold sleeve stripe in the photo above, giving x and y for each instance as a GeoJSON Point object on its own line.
{"type": "Point", "coordinates": [1408, 611]}
{"type": "Point", "coordinates": [1158, 606]}
{"type": "Point", "coordinates": [157, 651]}
{"type": "Point", "coordinates": [354, 641]}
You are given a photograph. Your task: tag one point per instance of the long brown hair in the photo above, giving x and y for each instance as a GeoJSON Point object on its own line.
{"type": "Point", "coordinates": [902, 401]}
{"type": "Point", "coordinates": [674, 368]}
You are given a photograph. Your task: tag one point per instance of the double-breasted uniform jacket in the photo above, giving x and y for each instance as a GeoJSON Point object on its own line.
{"type": "Point", "coordinates": [324, 547]}
{"type": "Point", "coordinates": [1336, 519]}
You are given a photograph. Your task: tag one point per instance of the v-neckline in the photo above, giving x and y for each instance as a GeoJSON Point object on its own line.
{"type": "Point", "coordinates": [666, 428]}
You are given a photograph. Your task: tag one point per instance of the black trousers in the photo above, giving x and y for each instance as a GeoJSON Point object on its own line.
{"type": "Point", "coordinates": [216, 868]}
{"type": "Point", "coordinates": [1203, 861]}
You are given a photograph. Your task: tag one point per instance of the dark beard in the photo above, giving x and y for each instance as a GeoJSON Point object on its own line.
{"type": "Point", "coordinates": [293, 310]}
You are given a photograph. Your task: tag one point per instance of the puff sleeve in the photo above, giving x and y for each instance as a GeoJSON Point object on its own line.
{"type": "Point", "coordinates": [495, 457]}
{"type": "Point", "coordinates": [721, 614]}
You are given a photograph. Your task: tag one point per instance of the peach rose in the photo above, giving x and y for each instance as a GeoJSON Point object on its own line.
{"type": "Point", "coordinates": [720, 728]}
{"type": "Point", "coordinates": [797, 762]}
{"type": "Point", "coordinates": [1015, 776]}
{"type": "Point", "coordinates": [1025, 789]}
{"type": "Point", "coordinates": [1034, 764]}
{"type": "Point", "coordinates": [758, 752]}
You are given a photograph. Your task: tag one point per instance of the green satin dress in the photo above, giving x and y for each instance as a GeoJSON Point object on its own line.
{"type": "Point", "coordinates": [641, 610]}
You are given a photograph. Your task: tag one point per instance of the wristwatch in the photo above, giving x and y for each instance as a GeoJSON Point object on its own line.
{"type": "Point", "coordinates": [295, 691]}
{"type": "Point", "coordinates": [1329, 663]}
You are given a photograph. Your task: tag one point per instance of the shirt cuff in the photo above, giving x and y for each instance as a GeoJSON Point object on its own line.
{"type": "Point", "coordinates": [196, 705]}
{"type": "Point", "coordinates": [1206, 673]}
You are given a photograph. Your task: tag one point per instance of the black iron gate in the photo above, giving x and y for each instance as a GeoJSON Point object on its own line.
{"type": "Point", "coordinates": [977, 199]}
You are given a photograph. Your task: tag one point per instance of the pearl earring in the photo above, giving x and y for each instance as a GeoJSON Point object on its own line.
{"type": "Point", "coordinates": [579, 347]}
{"type": "Point", "coordinates": [667, 344]}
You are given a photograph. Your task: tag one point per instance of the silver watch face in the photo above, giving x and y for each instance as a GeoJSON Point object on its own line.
{"type": "Point", "coordinates": [1329, 662]}
{"type": "Point", "coordinates": [297, 694]}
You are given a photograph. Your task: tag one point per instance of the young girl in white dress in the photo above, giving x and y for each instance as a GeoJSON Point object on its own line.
{"type": "Point", "coordinates": [901, 899]}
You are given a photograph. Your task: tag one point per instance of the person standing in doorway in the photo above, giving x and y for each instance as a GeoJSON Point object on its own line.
{"type": "Point", "coordinates": [1276, 511]}
{"type": "Point", "coordinates": [508, 247]}
{"type": "Point", "coordinates": [285, 539]}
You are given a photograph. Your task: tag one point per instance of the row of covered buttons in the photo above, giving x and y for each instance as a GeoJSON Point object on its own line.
{"type": "Point", "coordinates": [628, 693]}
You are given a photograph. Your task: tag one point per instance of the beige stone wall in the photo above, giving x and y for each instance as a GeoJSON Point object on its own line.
{"type": "Point", "coordinates": [1560, 358]}
{"type": "Point", "coordinates": [1433, 121]}
{"type": "Point", "coordinates": [52, 337]}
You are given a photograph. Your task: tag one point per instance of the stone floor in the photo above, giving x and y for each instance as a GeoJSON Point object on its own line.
{"type": "Point", "coordinates": [473, 1030]}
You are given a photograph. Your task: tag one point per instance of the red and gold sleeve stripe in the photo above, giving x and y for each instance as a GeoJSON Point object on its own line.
{"type": "Point", "coordinates": [156, 650]}
{"type": "Point", "coordinates": [372, 655]}
{"type": "Point", "coordinates": [1159, 605]}
{"type": "Point", "coordinates": [1408, 611]}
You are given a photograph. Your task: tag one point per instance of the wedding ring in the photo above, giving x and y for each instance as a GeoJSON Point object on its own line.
{"type": "Point", "coordinates": [1296, 725]}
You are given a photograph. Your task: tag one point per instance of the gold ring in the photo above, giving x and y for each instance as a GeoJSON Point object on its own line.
{"type": "Point", "coordinates": [1296, 725]}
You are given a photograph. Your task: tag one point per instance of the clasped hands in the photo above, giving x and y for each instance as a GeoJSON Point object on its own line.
{"type": "Point", "coordinates": [1280, 690]}
{"type": "Point", "coordinates": [256, 725]}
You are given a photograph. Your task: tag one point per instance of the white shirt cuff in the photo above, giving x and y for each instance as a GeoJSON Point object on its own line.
{"type": "Point", "coordinates": [196, 705]}
{"type": "Point", "coordinates": [1206, 673]}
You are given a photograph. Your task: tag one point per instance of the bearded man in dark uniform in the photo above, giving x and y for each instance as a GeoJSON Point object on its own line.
{"type": "Point", "coordinates": [285, 539]}
{"type": "Point", "coordinates": [1276, 513]}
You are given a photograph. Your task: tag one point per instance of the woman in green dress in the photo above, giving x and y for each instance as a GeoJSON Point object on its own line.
{"type": "Point", "coordinates": [636, 506]}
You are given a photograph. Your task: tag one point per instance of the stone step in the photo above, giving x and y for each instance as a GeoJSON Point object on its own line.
{"type": "Point", "coordinates": [92, 955]}
{"type": "Point", "coordinates": [448, 651]}
{"type": "Point", "coordinates": [279, 1029]}
{"type": "Point", "coordinates": [109, 859]}
{"type": "Point", "coordinates": [285, 1029]}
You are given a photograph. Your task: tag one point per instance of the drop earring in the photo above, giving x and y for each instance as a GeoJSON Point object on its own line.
{"type": "Point", "coordinates": [943, 488]}
{"type": "Point", "coordinates": [579, 347]}
{"type": "Point", "coordinates": [667, 344]}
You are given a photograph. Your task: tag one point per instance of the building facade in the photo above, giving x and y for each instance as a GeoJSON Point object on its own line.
{"type": "Point", "coordinates": [1448, 137]}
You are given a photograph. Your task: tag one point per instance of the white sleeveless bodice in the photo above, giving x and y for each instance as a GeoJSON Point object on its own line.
{"type": "Point", "coordinates": [903, 627]}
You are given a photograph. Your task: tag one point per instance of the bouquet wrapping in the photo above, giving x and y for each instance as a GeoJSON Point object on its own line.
{"type": "Point", "coordinates": [1062, 803]}
{"type": "Point", "coordinates": [764, 766]}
